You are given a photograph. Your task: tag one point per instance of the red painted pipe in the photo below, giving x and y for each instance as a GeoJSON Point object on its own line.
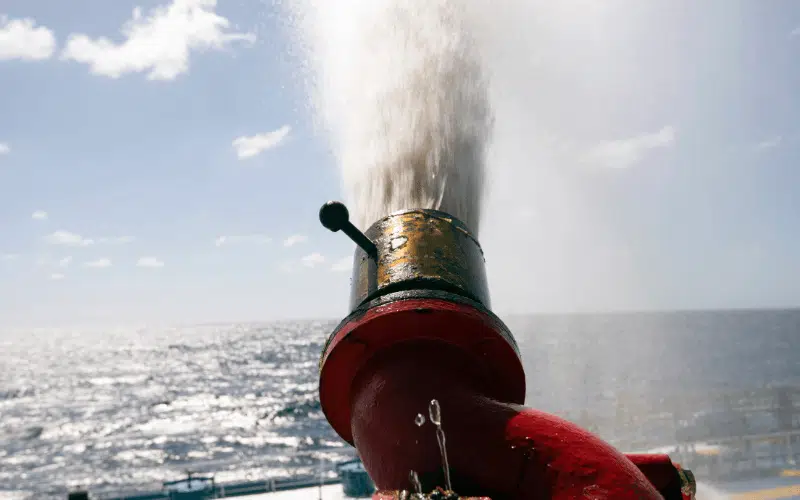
{"type": "Point", "coordinates": [382, 367]}
{"type": "Point", "coordinates": [663, 474]}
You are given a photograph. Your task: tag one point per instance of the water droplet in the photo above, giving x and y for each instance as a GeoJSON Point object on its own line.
{"type": "Point", "coordinates": [435, 412]}
{"type": "Point", "coordinates": [419, 420]}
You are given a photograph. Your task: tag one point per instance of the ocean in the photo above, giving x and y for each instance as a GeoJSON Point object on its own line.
{"type": "Point", "coordinates": [124, 409]}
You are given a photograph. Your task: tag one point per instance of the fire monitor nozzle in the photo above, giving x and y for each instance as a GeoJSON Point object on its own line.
{"type": "Point", "coordinates": [418, 276]}
{"type": "Point", "coordinates": [420, 328]}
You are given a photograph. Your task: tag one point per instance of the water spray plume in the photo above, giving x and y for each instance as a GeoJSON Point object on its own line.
{"type": "Point", "coordinates": [402, 91]}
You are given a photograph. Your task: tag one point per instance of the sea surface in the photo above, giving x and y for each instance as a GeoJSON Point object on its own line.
{"type": "Point", "coordinates": [124, 409]}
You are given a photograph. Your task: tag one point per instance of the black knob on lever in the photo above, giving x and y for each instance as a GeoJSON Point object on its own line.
{"type": "Point", "coordinates": [335, 216]}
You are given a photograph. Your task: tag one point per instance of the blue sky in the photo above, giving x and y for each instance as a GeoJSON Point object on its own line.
{"type": "Point", "coordinates": [645, 157]}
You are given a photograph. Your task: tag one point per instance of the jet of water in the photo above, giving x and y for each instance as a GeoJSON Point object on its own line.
{"type": "Point", "coordinates": [402, 91]}
{"type": "Point", "coordinates": [435, 414]}
{"type": "Point", "coordinates": [415, 483]}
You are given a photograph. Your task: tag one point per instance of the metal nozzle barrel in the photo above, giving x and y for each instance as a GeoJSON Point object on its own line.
{"type": "Point", "coordinates": [412, 250]}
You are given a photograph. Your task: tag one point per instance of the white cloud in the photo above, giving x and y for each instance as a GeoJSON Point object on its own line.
{"type": "Point", "coordinates": [22, 39]}
{"type": "Point", "coordinates": [8, 256]}
{"type": "Point", "coordinates": [149, 262]}
{"type": "Point", "coordinates": [342, 265]}
{"type": "Point", "coordinates": [309, 261]}
{"type": "Point", "coordinates": [39, 215]}
{"type": "Point", "coordinates": [248, 147]}
{"type": "Point", "coordinates": [57, 276]}
{"type": "Point", "coordinates": [795, 32]}
{"type": "Point", "coordinates": [67, 238]}
{"type": "Point", "coordinates": [99, 263]}
{"type": "Point", "coordinates": [159, 43]}
{"type": "Point", "coordinates": [4, 148]}
{"type": "Point", "coordinates": [772, 142]}
{"type": "Point", "coordinates": [245, 238]}
{"type": "Point", "coordinates": [313, 259]}
{"type": "Point", "coordinates": [623, 153]}
{"type": "Point", "coordinates": [64, 262]}
{"type": "Point", "coordinates": [295, 239]}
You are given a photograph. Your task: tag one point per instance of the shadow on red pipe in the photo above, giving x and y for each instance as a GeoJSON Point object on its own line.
{"type": "Point", "coordinates": [421, 330]}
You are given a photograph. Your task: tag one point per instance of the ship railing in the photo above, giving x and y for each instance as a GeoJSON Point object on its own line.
{"type": "Point", "coordinates": [249, 487]}
{"type": "Point", "coordinates": [741, 456]}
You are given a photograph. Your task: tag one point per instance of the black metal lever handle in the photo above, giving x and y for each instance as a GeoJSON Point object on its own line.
{"type": "Point", "coordinates": [335, 216]}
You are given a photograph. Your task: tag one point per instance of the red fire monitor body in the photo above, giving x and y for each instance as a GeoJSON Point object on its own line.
{"type": "Point", "coordinates": [421, 329]}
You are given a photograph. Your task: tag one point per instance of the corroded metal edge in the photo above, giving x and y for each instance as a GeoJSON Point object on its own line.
{"type": "Point", "coordinates": [440, 215]}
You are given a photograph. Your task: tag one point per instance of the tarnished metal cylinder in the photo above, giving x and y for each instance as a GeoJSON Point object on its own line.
{"type": "Point", "coordinates": [420, 249]}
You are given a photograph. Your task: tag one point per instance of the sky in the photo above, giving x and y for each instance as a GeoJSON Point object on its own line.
{"type": "Point", "coordinates": [159, 161]}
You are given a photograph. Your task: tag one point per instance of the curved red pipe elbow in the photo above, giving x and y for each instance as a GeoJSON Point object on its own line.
{"type": "Point", "coordinates": [494, 449]}
{"type": "Point", "coordinates": [383, 366]}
